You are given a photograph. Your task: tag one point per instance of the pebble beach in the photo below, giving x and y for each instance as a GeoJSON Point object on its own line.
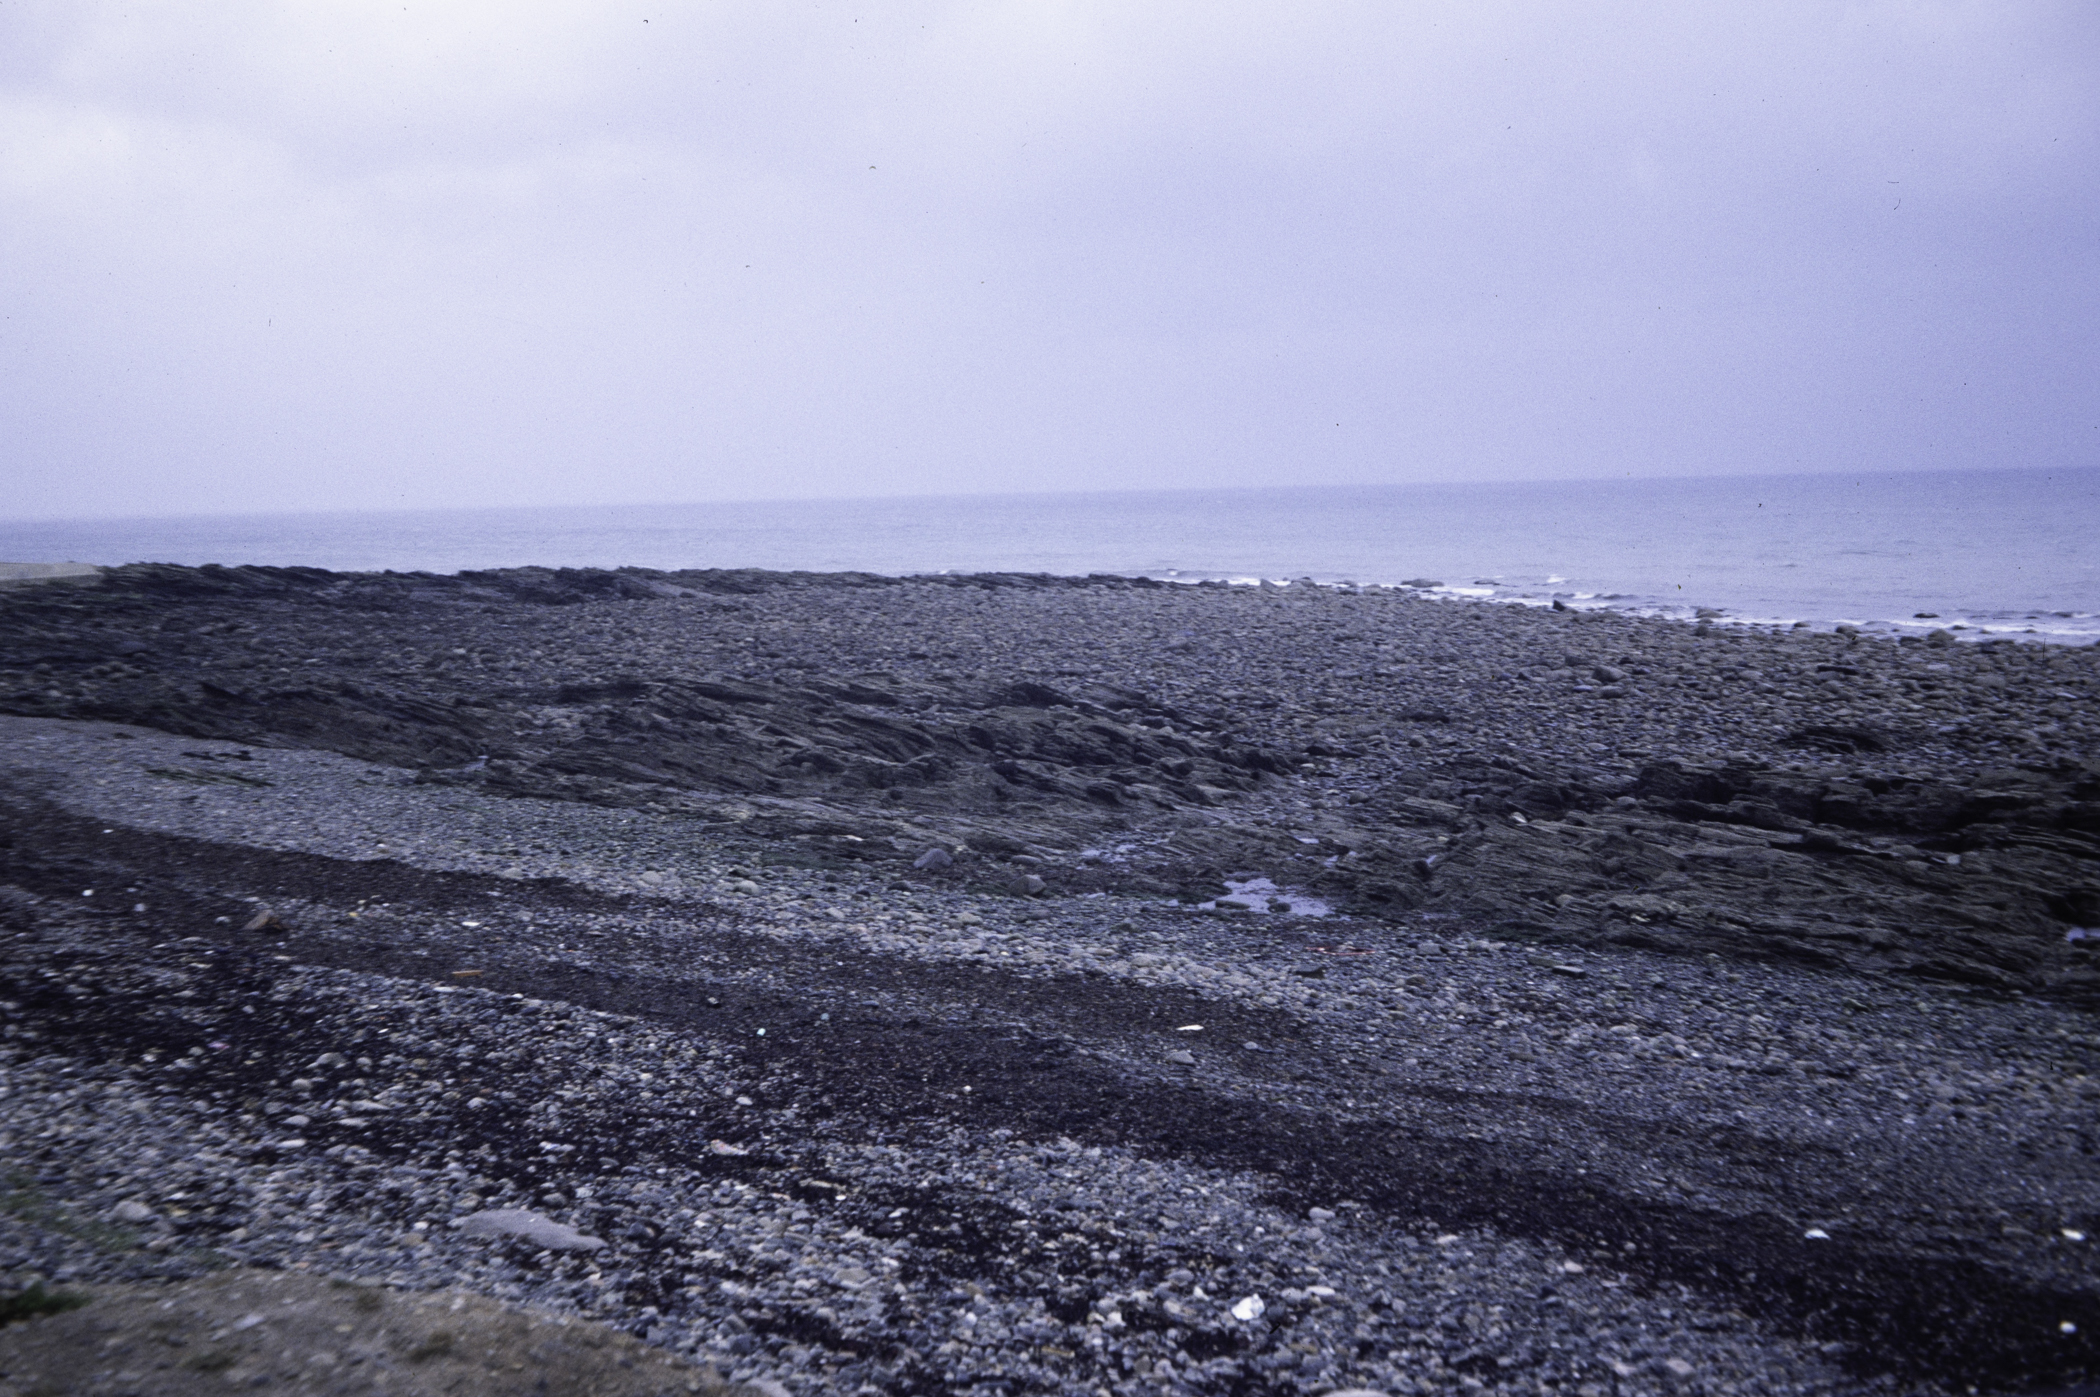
{"type": "Point", "coordinates": [1017, 984]}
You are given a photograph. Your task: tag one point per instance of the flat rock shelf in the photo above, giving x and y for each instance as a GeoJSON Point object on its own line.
{"type": "Point", "coordinates": [1060, 985]}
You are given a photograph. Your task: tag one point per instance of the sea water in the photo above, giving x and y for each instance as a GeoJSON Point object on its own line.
{"type": "Point", "coordinates": [1990, 552]}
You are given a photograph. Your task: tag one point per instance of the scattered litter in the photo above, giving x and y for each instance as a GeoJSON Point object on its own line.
{"type": "Point", "coordinates": [1190, 1028]}
{"type": "Point", "coordinates": [1818, 1233]}
{"type": "Point", "coordinates": [723, 1147]}
{"type": "Point", "coordinates": [2072, 1234]}
{"type": "Point", "coordinates": [1249, 1309]}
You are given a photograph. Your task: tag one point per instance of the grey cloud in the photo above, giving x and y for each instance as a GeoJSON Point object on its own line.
{"type": "Point", "coordinates": [277, 256]}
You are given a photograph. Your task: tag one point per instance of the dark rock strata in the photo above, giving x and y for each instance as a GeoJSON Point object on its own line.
{"type": "Point", "coordinates": [1583, 778]}
{"type": "Point", "coordinates": [1706, 1015]}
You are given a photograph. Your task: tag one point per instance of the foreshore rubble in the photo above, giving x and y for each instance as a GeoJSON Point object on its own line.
{"type": "Point", "coordinates": [1626, 1005]}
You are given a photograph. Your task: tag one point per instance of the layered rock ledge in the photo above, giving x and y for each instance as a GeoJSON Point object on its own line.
{"type": "Point", "coordinates": [971, 983]}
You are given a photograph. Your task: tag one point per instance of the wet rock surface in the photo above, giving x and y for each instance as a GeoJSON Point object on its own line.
{"type": "Point", "coordinates": [1921, 809]}
{"type": "Point", "coordinates": [1722, 1033]}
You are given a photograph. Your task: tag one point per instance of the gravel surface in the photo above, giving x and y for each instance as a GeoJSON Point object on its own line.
{"type": "Point", "coordinates": [1649, 1079]}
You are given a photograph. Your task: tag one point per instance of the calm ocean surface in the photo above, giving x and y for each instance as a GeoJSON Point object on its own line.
{"type": "Point", "coordinates": [2010, 552]}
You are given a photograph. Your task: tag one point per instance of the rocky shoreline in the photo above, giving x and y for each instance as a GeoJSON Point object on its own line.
{"type": "Point", "coordinates": [992, 984]}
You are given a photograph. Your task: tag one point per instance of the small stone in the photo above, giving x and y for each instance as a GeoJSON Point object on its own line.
{"type": "Point", "coordinates": [1029, 885]}
{"type": "Point", "coordinates": [743, 885]}
{"type": "Point", "coordinates": [131, 1210]}
{"type": "Point", "coordinates": [541, 1231]}
{"type": "Point", "coordinates": [1249, 1309]}
{"type": "Point", "coordinates": [935, 857]}
{"type": "Point", "coordinates": [1678, 1366]}
{"type": "Point", "coordinates": [1182, 1056]}
{"type": "Point", "coordinates": [264, 920]}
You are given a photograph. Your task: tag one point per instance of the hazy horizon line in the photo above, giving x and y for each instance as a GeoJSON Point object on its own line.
{"type": "Point", "coordinates": [1326, 487]}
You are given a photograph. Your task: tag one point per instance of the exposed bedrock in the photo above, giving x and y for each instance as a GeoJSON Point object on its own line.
{"type": "Point", "coordinates": [1924, 809]}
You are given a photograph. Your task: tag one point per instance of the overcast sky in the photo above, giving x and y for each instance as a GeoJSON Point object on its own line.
{"type": "Point", "coordinates": [262, 256]}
